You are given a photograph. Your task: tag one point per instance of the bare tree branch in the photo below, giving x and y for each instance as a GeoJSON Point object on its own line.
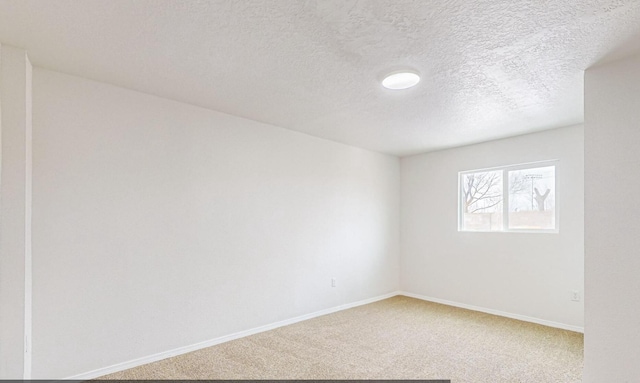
{"type": "Point", "coordinates": [482, 187]}
{"type": "Point", "coordinates": [540, 198]}
{"type": "Point", "coordinates": [486, 207]}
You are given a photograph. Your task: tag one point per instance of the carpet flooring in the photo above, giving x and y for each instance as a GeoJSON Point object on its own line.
{"type": "Point", "coordinates": [396, 338]}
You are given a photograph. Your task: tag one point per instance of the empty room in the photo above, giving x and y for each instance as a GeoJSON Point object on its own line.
{"type": "Point", "coordinates": [320, 189]}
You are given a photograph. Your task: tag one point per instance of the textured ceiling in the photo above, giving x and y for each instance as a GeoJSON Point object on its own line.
{"type": "Point", "coordinates": [491, 68]}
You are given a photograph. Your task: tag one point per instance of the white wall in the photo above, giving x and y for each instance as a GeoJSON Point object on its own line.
{"type": "Point", "coordinates": [15, 219]}
{"type": "Point", "coordinates": [522, 274]}
{"type": "Point", "coordinates": [158, 224]}
{"type": "Point", "coordinates": [612, 222]}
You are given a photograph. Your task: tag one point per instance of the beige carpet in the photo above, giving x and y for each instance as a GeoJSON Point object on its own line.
{"type": "Point", "coordinates": [397, 338]}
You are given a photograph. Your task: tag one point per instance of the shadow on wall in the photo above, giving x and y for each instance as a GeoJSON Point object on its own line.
{"type": "Point", "coordinates": [629, 47]}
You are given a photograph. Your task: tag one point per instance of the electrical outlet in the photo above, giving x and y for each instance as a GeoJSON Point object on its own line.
{"type": "Point", "coordinates": [333, 282]}
{"type": "Point", "coordinates": [575, 296]}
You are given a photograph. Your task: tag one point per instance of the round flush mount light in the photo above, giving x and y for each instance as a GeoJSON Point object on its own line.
{"type": "Point", "coordinates": [401, 80]}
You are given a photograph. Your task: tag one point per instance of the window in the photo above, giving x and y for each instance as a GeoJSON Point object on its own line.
{"type": "Point", "coordinates": [530, 203]}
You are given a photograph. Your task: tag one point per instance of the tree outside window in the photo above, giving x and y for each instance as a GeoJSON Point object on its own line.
{"type": "Point", "coordinates": [529, 205]}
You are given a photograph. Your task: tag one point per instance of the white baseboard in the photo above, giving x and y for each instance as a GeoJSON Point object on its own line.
{"type": "Point", "coordinates": [495, 312]}
{"type": "Point", "coordinates": [212, 342]}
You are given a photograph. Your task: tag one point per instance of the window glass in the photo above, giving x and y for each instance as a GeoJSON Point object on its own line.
{"type": "Point", "coordinates": [482, 201]}
{"type": "Point", "coordinates": [510, 198]}
{"type": "Point", "coordinates": [532, 198]}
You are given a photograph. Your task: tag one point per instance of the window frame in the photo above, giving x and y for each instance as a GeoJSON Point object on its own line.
{"type": "Point", "coordinates": [505, 197]}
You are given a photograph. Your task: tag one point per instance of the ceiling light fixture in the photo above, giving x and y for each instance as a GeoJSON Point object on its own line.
{"type": "Point", "coordinates": [401, 80]}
